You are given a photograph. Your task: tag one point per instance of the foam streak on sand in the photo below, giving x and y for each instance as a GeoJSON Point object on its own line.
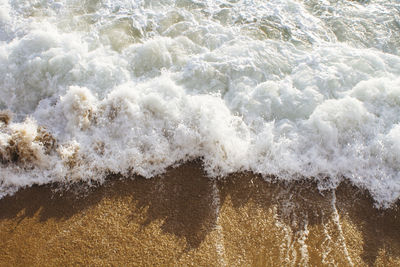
{"type": "Point", "coordinates": [220, 247]}
{"type": "Point", "coordinates": [336, 219]}
{"type": "Point", "coordinates": [293, 89]}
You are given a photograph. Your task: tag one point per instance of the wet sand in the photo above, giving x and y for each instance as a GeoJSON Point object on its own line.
{"type": "Point", "coordinates": [184, 218]}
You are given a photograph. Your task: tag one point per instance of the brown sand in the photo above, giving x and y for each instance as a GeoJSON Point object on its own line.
{"type": "Point", "coordinates": [183, 218]}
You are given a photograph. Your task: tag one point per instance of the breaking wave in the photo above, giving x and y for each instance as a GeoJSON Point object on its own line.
{"type": "Point", "coordinates": [293, 89]}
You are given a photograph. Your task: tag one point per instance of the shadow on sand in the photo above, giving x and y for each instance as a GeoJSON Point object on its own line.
{"type": "Point", "coordinates": [190, 206]}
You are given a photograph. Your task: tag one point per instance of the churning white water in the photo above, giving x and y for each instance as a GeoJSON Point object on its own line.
{"type": "Point", "coordinates": [295, 89]}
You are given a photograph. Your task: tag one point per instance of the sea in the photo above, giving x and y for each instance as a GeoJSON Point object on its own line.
{"type": "Point", "coordinates": [286, 89]}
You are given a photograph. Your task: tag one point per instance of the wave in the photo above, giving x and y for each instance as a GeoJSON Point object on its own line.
{"type": "Point", "coordinates": [284, 88]}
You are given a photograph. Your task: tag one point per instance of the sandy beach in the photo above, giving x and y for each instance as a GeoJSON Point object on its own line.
{"type": "Point", "coordinates": [99, 98]}
{"type": "Point", "coordinates": [184, 218]}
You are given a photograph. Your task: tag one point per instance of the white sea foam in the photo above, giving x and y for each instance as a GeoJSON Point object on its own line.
{"type": "Point", "coordinates": [287, 88]}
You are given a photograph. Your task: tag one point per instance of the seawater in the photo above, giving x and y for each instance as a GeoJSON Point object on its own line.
{"type": "Point", "coordinates": [290, 89]}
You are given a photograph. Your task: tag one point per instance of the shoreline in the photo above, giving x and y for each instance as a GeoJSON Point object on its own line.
{"type": "Point", "coordinates": [185, 218]}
